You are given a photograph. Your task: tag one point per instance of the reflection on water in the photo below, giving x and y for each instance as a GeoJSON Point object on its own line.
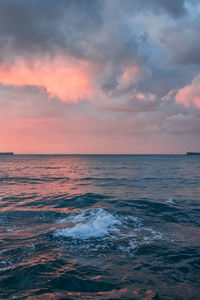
{"type": "Point", "coordinates": [99, 227]}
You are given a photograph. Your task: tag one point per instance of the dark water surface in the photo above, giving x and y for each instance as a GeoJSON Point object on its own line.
{"type": "Point", "coordinates": [99, 227]}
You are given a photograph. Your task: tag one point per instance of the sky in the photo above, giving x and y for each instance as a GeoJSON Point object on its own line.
{"type": "Point", "coordinates": [100, 76]}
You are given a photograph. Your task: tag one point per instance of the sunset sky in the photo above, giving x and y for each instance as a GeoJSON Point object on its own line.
{"type": "Point", "coordinates": [99, 76]}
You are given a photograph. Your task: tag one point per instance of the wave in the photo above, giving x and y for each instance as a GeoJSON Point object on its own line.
{"type": "Point", "coordinates": [32, 180]}
{"type": "Point", "coordinates": [97, 231]}
{"type": "Point", "coordinates": [86, 200]}
{"type": "Point", "coordinates": [91, 223]}
{"type": "Point", "coordinates": [170, 200]}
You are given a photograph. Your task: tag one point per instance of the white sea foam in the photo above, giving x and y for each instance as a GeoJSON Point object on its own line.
{"type": "Point", "coordinates": [170, 200]}
{"type": "Point", "coordinates": [12, 230]}
{"type": "Point", "coordinates": [62, 221]}
{"type": "Point", "coordinates": [91, 223]}
{"type": "Point", "coordinates": [124, 233]}
{"type": "Point", "coordinates": [5, 265]}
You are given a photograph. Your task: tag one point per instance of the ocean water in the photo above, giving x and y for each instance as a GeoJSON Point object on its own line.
{"type": "Point", "coordinates": [99, 227]}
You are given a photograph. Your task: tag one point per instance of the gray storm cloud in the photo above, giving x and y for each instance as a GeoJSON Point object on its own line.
{"type": "Point", "coordinates": [110, 33]}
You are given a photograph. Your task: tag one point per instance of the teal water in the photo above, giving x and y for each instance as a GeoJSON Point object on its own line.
{"type": "Point", "coordinates": [99, 227]}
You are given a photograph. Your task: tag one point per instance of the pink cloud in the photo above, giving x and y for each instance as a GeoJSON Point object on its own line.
{"type": "Point", "coordinates": [128, 76]}
{"type": "Point", "coordinates": [65, 78]}
{"type": "Point", "coordinates": [190, 94]}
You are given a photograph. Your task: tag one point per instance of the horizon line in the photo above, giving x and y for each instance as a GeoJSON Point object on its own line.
{"type": "Point", "coordinates": [98, 153]}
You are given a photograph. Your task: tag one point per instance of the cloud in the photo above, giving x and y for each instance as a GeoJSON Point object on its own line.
{"type": "Point", "coordinates": [65, 78]}
{"type": "Point", "coordinates": [173, 8]}
{"type": "Point", "coordinates": [133, 104]}
{"type": "Point", "coordinates": [182, 40]}
{"type": "Point", "coordinates": [37, 27]}
{"type": "Point", "coordinates": [128, 76]}
{"type": "Point", "coordinates": [34, 35]}
{"type": "Point", "coordinates": [190, 94]}
{"type": "Point", "coordinates": [110, 34]}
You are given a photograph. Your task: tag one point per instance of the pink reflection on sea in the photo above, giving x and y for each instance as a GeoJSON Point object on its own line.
{"type": "Point", "coordinates": [44, 177]}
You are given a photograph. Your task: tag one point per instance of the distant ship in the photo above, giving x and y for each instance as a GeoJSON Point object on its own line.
{"type": "Point", "coordinates": [6, 153]}
{"type": "Point", "coordinates": [193, 153]}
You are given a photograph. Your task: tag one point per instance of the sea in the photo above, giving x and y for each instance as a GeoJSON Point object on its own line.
{"type": "Point", "coordinates": [100, 227]}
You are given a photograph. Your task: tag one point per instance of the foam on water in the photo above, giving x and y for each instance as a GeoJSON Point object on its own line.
{"type": "Point", "coordinates": [91, 223]}
{"type": "Point", "coordinates": [5, 265]}
{"type": "Point", "coordinates": [124, 233]}
{"type": "Point", "coordinates": [170, 200]}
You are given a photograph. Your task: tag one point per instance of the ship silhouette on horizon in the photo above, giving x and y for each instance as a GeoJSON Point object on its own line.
{"type": "Point", "coordinates": [6, 153]}
{"type": "Point", "coordinates": [192, 153]}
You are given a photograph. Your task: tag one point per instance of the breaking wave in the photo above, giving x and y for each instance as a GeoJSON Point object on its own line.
{"type": "Point", "coordinates": [170, 200]}
{"type": "Point", "coordinates": [91, 223]}
{"type": "Point", "coordinates": [96, 231]}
